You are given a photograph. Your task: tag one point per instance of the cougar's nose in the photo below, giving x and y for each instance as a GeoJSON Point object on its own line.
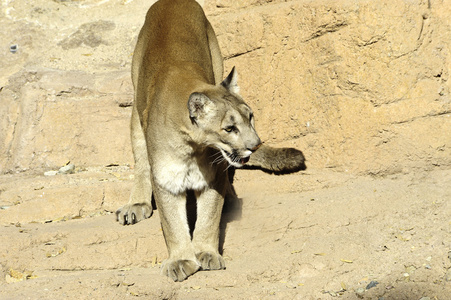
{"type": "Point", "coordinates": [255, 146]}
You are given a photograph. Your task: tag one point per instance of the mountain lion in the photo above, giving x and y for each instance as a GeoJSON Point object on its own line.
{"type": "Point", "coordinates": [187, 128]}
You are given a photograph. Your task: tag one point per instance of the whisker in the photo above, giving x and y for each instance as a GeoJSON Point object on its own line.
{"type": "Point", "coordinates": [216, 154]}
{"type": "Point", "coordinates": [218, 159]}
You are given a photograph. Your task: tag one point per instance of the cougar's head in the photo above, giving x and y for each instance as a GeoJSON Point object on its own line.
{"type": "Point", "coordinates": [224, 121]}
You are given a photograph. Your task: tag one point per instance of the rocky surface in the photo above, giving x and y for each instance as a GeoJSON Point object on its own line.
{"type": "Point", "coordinates": [362, 87]}
{"type": "Point", "coordinates": [359, 86]}
{"type": "Point", "coordinates": [315, 235]}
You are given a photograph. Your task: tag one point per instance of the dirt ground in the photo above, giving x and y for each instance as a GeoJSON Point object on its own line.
{"type": "Point", "coordinates": [317, 234]}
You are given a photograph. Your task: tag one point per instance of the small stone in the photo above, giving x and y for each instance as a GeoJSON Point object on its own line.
{"type": "Point", "coordinates": [372, 284]}
{"type": "Point", "coordinates": [10, 279]}
{"type": "Point", "coordinates": [50, 173]}
{"type": "Point", "coordinates": [425, 298]}
{"type": "Point", "coordinates": [67, 169]}
{"type": "Point", "coordinates": [13, 48]}
{"type": "Point", "coordinates": [410, 269]}
{"type": "Point", "coordinates": [360, 292]}
{"type": "Point", "coordinates": [448, 275]}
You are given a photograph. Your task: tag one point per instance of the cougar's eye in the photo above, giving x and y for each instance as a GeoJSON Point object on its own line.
{"type": "Point", "coordinates": [229, 128]}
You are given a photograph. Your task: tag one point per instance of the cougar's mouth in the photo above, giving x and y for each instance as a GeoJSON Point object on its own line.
{"type": "Point", "coordinates": [244, 160]}
{"type": "Point", "coordinates": [234, 159]}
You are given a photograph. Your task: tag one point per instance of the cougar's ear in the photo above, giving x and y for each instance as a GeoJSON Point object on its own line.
{"type": "Point", "coordinates": [231, 82]}
{"type": "Point", "coordinates": [199, 105]}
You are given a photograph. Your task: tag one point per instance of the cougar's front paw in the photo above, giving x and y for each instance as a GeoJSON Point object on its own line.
{"type": "Point", "coordinates": [179, 270]}
{"type": "Point", "coordinates": [133, 213]}
{"type": "Point", "coordinates": [210, 261]}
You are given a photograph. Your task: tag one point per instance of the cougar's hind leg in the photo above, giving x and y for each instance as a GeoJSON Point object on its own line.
{"type": "Point", "coordinates": [139, 206]}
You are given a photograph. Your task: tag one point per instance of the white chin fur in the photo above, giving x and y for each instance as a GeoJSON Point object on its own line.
{"type": "Point", "coordinates": [229, 160]}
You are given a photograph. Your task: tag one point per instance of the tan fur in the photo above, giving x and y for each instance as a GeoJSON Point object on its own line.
{"type": "Point", "coordinates": [187, 127]}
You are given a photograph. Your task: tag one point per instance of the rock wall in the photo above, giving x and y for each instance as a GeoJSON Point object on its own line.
{"type": "Point", "coordinates": [359, 86]}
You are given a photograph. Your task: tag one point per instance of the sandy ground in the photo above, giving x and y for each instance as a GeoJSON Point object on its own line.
{"type": "Point", "coordinates": [317, 234]}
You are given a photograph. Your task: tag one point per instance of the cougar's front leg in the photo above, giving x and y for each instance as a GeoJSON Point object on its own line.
{"type": "Point", "coordinates": [139, 206]}
{"type": "Point", "coordinates": [182, 260]}
{"type": "Point", "coordinates": [206, 232]}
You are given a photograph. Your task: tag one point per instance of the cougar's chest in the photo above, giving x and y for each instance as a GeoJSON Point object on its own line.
{"type": "Point", "coordinates": [179, 175]}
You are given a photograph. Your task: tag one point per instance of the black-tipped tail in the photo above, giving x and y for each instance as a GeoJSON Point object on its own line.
{"type": "Point", "coordinates": [277, 160]}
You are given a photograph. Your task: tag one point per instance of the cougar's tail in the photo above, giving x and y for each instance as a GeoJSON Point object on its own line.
{"type": "Point", "coordinates": [277, 160]}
